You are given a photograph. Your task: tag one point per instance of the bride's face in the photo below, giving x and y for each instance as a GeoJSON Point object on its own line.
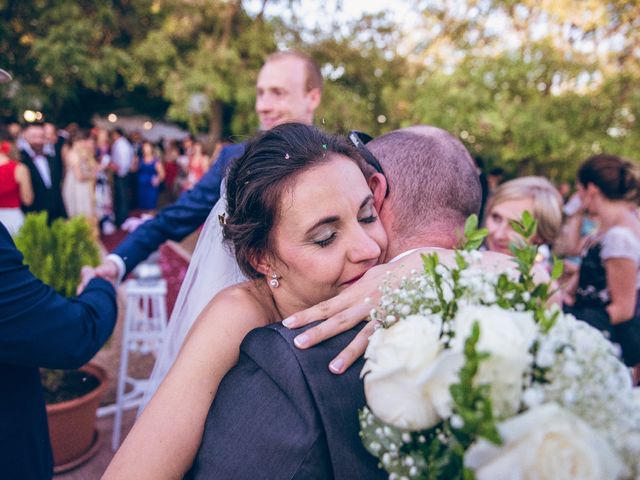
{"type": "Point", "coordinates": [327, 234]}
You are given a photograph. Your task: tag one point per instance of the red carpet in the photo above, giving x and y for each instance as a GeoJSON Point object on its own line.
{"type": "Point", "coordinates": [174, 266]}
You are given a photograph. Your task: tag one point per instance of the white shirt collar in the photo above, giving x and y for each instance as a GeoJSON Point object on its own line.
{"type": "Point", "coordinates": [409, 252]}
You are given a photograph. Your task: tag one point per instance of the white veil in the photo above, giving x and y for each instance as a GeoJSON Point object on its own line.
{"type": "Point", "coordinates": [212, 268]}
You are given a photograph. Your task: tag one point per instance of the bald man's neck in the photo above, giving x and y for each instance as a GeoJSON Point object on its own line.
{"type": "Point", "coordinates": [400, 243]}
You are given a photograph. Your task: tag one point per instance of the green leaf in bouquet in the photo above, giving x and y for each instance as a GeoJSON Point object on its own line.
{"type": "Point", "coordinates": [557, 269]}
{"type": "Point", "coordinates": [526, 226]}
{"type": "Point", "coordinates": [473, 402]}
{"type": "Point", "coordinates": [473, 236]}
{"type": "Point", "coordinates": [430, 261]}
{"type": "Point", "coordinates": [470, 225]}
{"type": "Point", "coordinates": [461, 263]}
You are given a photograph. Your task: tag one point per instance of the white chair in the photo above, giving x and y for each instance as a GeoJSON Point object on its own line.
{"type": "Point", "coordinates": [145, 322]}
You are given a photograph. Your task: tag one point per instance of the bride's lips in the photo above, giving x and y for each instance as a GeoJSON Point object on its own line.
{"type": "Point", "coordinates": [358, 277]}
{"type": "Point", "coordinates": [353, 280]}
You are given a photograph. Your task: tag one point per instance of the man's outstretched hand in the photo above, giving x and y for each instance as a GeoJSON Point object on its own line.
{"type": "Point", "coordinates": [107, 270]}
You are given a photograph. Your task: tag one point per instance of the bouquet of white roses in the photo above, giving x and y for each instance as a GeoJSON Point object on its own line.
{"type": "Point", "coordinates": [471, 375]}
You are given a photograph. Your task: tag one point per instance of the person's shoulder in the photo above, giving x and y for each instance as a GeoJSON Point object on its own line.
{"type": "Point", "coordinates": [239, 308]}
{"type": "Point", "coordinates": [620, 233]}
{"type": "Point", "coordinates": [236, 299]}
{"type": "Point", "coordinates": [233, 150]}
{"type": "Point", "coordinates": [620, 241]}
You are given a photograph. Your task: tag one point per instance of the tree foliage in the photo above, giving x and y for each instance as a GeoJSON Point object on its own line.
{"type": "Point", "coordinates": [533, 86]}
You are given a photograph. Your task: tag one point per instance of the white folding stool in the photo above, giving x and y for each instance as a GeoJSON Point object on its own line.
{"type": "Point", "coordinates": [145, 322]}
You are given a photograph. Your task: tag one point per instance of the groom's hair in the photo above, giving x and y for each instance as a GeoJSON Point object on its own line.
{"type": "Point", "coordinates": [433, 181]}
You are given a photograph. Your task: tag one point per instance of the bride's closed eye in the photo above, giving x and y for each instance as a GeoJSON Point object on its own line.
{"type": "Point", "coordinates": [327, 240]}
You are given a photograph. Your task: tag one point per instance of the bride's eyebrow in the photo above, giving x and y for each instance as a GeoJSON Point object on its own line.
{"type": "Point", "coordinates": [334, 218]}
{"type": "Point", "coordinates": [366, 201]}
{"type": "Point", "coordinates": [323, 221]}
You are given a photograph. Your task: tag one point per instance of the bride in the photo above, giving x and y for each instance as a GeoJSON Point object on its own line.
{"type": "Point", "coordinates": [303, 224]}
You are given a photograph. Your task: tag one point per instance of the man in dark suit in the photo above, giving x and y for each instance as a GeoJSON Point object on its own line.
{"type": "Point", "coordinates": [46, 174]}
{"type": "Point", "coordinates": [39, 328]}
{"type": "Point", "coordinates": [280, 413]}
{"type": "Point", "coordinates": [289, 89]}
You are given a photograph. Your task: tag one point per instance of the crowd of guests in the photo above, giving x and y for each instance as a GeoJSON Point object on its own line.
{"type": "Point", "coordinates": [597, 233]}
{"type": "Point", "coordinates": [99, 174]}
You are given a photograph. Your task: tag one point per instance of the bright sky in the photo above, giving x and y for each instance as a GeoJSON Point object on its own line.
{"type": "Point", "coordinates": [322, 13]}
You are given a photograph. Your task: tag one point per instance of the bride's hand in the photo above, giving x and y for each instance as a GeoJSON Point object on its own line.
{"type": "Point", "coordinates": [353, 304]}
{"type": "Point", "coordinates": [342, 313]}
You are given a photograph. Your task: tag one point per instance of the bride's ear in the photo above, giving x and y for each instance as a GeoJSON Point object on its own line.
{"type": "Point", "coordinates": [378, 185]}
{"type": "Point", "coordinates": [260, 263]}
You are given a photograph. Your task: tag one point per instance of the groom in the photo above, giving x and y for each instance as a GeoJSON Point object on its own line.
{"type": "Point", "coordinates": [280, 413]}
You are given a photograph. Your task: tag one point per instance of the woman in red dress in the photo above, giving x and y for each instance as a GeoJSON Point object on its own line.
{"type": "Point", "coordinates": [15, 189]}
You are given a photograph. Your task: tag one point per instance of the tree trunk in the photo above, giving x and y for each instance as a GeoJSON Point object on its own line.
{"type": "Point", "coordinates": [215, 123]}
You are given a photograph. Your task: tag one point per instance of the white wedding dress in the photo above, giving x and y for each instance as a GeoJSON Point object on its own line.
{"type": "Point", "coordinates": [212, 268]}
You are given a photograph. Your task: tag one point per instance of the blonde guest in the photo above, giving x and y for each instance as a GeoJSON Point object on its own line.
{"type": "Point", "coordinates": [534, 194]}
{"type": "Point", "coordinates": [78, 186]}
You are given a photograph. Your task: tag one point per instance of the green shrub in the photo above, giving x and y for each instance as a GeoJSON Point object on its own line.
{"type": "Point", "coordinates": [55, 254]}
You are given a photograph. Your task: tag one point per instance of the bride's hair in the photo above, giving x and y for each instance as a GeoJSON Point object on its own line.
{"type": "Point", "coordinates": [257, 180]}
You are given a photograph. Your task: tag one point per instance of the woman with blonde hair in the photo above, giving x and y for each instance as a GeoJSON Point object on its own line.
{"type": "Point", "coordinates": [534, 194]}
{"type": "Point", "coordinates": [78, 186]}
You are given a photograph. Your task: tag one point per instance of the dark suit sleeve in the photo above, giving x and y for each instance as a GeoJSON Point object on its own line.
{"type": "Point", "coordinates": [178, 220]}
{"type": "Point", "coordinates": [263, 423]}
{"type": "Point", "coordinates": [40, 328]}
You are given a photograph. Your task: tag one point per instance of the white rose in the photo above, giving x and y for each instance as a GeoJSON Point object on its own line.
{"type": "Point", "coordinates": [545, 443]}
{"type": "Point", "coordinates": [507, 336]}
{"type": "Point", "coordinates": [406, 382]}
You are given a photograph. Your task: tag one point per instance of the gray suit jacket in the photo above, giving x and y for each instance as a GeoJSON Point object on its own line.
{"type": "Point", "coordinates": [280, 413]}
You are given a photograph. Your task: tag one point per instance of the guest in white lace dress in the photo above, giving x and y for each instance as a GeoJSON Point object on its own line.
{"type": "Point", "coordinates": [78, 187]}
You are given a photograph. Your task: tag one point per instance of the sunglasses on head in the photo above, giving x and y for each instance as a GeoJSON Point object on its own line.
{"type": "Point", "coordinates": [359, 140]}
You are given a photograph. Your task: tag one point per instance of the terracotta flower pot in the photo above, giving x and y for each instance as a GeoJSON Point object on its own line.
{"type": "Point", "coordinates": [72, 425]}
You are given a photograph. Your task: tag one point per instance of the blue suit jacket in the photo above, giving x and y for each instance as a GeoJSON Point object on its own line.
{"type": "Point", "coordinates": [280, 414]}
{"type": "Point", "coordinates": [178, 220]}
{"type": "Point", "coordinates": [39, 328]}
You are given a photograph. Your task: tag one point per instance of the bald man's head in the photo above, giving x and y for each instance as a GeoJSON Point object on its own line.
{"type": "Point", "coordinates": [433, 181]}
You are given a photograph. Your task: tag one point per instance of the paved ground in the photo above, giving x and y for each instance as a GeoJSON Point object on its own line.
{"type": "Point", "coordinates": [173, 261]}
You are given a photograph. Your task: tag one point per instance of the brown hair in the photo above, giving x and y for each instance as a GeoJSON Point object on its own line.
{"type": "Point", "coordinates": [314, 76]}
{"type": "Point", "coordinates": [616, 178]}
{"type": "Point", "coordinates": [256, 182]}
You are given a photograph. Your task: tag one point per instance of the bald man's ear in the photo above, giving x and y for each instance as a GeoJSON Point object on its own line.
{"type": "Point", "coordinates": [378, 185]}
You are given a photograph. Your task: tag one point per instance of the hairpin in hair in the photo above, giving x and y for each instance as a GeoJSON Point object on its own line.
{"type": "Point", "coordinates": [286, 156]}
{"type": "Point", "coordinates": [222, 218]}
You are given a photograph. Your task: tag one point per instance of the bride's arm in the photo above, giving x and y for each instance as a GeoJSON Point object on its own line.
{"type": "Point", "coordinates": [163, 442]}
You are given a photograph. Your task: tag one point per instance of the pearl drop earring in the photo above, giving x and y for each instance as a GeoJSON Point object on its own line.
{"type": "Point", "coordinates": [274, 281]}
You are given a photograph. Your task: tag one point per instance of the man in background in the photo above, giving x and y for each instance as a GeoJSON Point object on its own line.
{"type": "Point", "coordinates": [46, 173]}
{"type": "Point", "coordinates": [121, 161]}
{"type": "Point", "coordinates": [289, 89]}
